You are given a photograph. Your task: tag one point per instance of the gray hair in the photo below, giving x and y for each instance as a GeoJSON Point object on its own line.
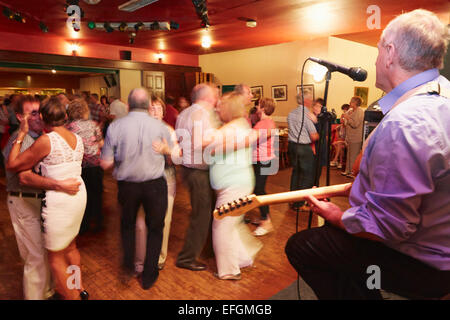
{"type": "Point", "coordinates": [420, 39]}
{"type": "Point", "coordinates": [240, 88]}
{"type": "Point", "coordinates": [138, 99]}
{"type": "Point", "coordinates": [299, 96]}
{"type": "Point", "coordinates": [201, 91]}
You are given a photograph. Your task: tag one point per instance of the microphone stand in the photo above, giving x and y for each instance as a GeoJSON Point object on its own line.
{"type": "Point", "coordinates": [325, 119]}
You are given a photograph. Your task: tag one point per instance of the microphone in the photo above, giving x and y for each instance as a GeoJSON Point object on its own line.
{"type": "Point", "coordinates": [357, 74]}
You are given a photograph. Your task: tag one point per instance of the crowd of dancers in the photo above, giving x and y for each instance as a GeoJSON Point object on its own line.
{"type": "Point", "coordinates": [399, 215]}
{"type": "Point", "coordinates": [55, 164]}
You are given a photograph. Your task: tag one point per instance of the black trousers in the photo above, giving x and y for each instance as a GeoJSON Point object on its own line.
{"type": "Point", "coordinates": [93, 180]}
{"type": "Point", "coordinates": [335, 265]}
{"type": "Point", "coordinates": [302, 158]}
{"type": "Point", "coordinates": [199, 225]}
{"type": "Point", "coordinates": [260, 185]}
{"type": "Point", "coordinates": [152, 195]}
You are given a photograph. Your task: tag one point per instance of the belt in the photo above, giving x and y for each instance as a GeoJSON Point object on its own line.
{"type": "Point", "coordinates": [27, 194]}
{"type": "Point", "coordinates": [301, 144]}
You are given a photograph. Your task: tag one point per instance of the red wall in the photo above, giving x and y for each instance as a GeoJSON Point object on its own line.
{"type": "Point", "coordinates": [56, 45]}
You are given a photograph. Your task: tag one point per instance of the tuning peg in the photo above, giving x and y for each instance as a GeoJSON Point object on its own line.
{"type": "Point", "coordinates": [237, 204]}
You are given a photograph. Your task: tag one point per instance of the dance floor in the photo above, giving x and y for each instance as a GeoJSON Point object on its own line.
{"type": "Point", "coordinates": [101, 253]}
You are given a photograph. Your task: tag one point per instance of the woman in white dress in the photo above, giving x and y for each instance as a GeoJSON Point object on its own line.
{"type": "Point", "coordinates": [232, 177]}
{"type": "Point", "coordinates": [57, 154]}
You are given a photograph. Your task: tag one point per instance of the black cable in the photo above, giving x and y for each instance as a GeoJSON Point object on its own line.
{"type": "Point", "coordinates": [298, 139]}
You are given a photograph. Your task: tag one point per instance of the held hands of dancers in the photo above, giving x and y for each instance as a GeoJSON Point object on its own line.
{"type": "Point", "coordinates": [161, 146]}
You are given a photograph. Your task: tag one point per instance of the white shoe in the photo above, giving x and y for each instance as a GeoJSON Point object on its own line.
{"type": "Point", "coordinates": [333, 164]}
{"type": "Point", "coordinates": [339, 166]}
{"type": "Point", "coordinates": [260, 231]}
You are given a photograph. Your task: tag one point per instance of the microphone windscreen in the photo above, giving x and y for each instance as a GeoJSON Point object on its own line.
{"type": "Point", "coordinates": [358, 74]}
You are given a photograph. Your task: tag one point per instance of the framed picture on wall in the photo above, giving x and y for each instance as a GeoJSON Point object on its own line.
{"type": "Point", "coordinates": [363, 93]}
{"type": "Point", "coordinates": [306, 88]}
{"type": "Point", "coordinates": [257, 92]}
{"type": "Point", "coordinates": [279, 93]}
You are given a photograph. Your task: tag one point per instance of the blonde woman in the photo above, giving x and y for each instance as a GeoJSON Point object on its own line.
{"type": "Point", "coordinates": [232, 177]}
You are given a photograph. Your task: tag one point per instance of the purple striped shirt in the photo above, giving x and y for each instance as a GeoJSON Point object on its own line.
{"type": "Point", "coordinates": [402, 192]}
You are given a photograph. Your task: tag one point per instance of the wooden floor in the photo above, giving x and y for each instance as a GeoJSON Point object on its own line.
{"type": "Point", "coordinates": [101, 254]}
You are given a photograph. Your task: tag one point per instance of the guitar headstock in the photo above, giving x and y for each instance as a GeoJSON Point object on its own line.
{"type": "Point", "coordinates": [237, 207]}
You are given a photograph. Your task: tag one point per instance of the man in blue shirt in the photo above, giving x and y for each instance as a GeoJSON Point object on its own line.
{"type": "Point", "coordinates": [139, 172]}
{"type": "Point", "coordinates": [399, 222]}
{"type": "Point", "coordinates": [301, 134]}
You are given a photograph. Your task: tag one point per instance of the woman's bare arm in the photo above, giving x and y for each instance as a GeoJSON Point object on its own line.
{"type": "Point", "coordinates": [29, 158]}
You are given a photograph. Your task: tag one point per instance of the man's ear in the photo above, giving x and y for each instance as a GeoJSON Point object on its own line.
{"type": "Point", "coordinates": [19, 117]}
{"type": "Point", "coordinates": [391, 53]}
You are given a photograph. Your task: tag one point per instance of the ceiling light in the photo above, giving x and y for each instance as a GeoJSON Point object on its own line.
{"type": "Point", "coordinates": [154, 26]}
{"type": "Point", "coordinates": [108, 27]}
{"type": "Point", "coordinates": [251, 23]}
{"type": "Point", "coordinates": [159, 56]}
{"type": "Point", "coordinates": [74, 47]}
{"type": "Point", "coordinates": [132, 37]}
{"type": "Point", "coordinates": [129, 26]}
{"type": "Point", "coordinates": [174, 25]}
{"type": "Point", "coordinates": [53, 71]}
{"type": "Point", "coordinates": [138, 26]}
{"type": "Point", "coordinates": [134, 5]}
{"type": "Point", "coordinates": [43, 27]}
{"type": "Point", "coordinates": [206, 41]}
{"type": "Point", "coordinates": [123, 27]}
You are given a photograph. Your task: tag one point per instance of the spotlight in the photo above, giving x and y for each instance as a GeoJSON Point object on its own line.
{"type": "Point", "coordinates": [43, 27]}
{"type": "Point", "coordinates": [108, 27]}
{"type": "Point", "coordinates": [205, 22]}
{"type": "Point", "coordinates": [174, 25]}
{"type": "Point", "coordinates": [154, 26]}
{"type": "Point", "coordinates": [138, 26]}
{"type": "Point", "coordinates": [8, 13]}
{"type": "Point", "coordinates": [53, 71]}
{"type": "Point", "coordinates": [91, 25]}
{"type": "Point", "coordinates": [132, 37]}
{"type": "Point", "coordinates": [123, 27]}
{"type": "Point", "coordinates": [17, 17]}
{"type": "Point", "coordinates": [202, 12]}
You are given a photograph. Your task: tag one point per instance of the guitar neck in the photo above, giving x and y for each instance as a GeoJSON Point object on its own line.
{"type": "Point", "coordinates": [322, 192]}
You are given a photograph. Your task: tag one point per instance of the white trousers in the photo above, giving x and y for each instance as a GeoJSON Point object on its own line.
{"type": "Point", "coordinates": [26, 220]}
{"type": "Point", "coordinates": [141, 228]}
